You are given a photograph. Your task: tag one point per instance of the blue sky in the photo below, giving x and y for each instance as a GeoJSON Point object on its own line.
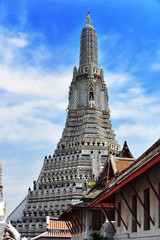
{"type": "Point", "coordinates": [39, 45]}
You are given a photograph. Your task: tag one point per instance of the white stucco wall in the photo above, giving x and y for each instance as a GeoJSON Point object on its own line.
{"type": "Point", "coordinates": [87, 221]}
{"type": "Point", "coordinates": [140, 185]}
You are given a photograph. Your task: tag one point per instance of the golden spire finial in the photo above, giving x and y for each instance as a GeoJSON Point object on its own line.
{"type": "Point", "coordinates": [88, 18]}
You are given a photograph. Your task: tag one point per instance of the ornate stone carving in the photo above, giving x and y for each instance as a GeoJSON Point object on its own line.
{"type": "Point", "coordinates": [82, 151]}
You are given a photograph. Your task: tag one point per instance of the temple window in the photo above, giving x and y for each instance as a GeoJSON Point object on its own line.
{"type": "Point", "coordinates": [147, 207]}
{"type": "Point", "coordinates": [119, 210]}
{"type": "Point", "coordinates": [134, 209]}
{"type": "Point", "coordinates": [91, 96]}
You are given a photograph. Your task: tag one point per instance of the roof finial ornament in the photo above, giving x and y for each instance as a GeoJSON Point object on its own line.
{"type": "Point", "coordinates": [88, 18]}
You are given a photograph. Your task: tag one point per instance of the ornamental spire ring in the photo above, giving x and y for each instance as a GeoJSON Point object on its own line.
{"type": "Point", "coordinates": [88, 21]}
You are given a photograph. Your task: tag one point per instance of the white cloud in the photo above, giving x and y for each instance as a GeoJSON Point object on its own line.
{"type": "Point", "coordinates": [155, 66]}
{"type": "Point", "coordinates": [136, 105]}
{"type": "Point", "coordinates": [140, 131]}
{"type": "Point", "coordinates": [136, 114]}
{"type": "Point", "coordinates": [31, 130]}
{"type": "Point", "coordinates": [34, 81]}
{"type": "Point", "coordinates": [32, 97]}
{"type": "Point", "coordinates": [117, 79]}
{"type": "Point", "coordinates": [11, 43]}
{"type": "Point", "coordinates": [42, 99]}
{"type": "Point", "coordinates": [108, 42]}
{"type": "Point", "coordinates": [18, 42]}
{"type": "Point", "coordinates": [135, 90]}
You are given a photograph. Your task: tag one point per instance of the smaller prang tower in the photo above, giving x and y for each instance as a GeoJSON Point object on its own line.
{"type": "Point", "coordinates": [81, 152]}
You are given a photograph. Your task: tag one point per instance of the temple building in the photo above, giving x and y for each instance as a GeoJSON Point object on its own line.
{"type": "Point", "coordinates": [125, 201]}
{"type": "Point", "coordinates": [81, 152]}
{"type": "Point", "coordinates": [100, 219]}
{"type": "Point", "coordinates": [135, 196]}
{"type": "Point", "coordinates": [55, 230]}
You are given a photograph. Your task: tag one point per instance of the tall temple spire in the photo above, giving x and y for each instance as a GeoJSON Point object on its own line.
{"type": "Point", "coordinates": [88, 110]}
{"type": "Point", "coordinates": [82, 150]}
{"type": "Point", "coordinates": [88, 46]}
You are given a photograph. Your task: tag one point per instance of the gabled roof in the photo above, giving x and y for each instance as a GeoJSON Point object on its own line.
{"type": "Point", "coordinates": [148, 159]}
{"type": "Point", "coordinates": [53, 224]}
{"type": "Point", "coordinates": [119, 163]}
{"type": "Point", "coordinates": [91, 195]}
{"type": "Point", "coordinates": [55, 229]}
{"type": "Point", "coordinates": [114, 165]}
{"type": "Point", "coordinates": [125, 153]}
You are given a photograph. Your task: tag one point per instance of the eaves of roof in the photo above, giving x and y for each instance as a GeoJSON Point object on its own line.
{"type": "Point", "coordinates": [142, 164]}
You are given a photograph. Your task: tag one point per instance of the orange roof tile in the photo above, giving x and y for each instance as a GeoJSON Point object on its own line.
{"type": "Point", "coordinates": [122, 164]}
{"type": "Point", "coordinates": [56, 234]}
{"type": "Point", "coordinates": [55, 229]}
{"type": "Point", "coordinates": [53, 224]}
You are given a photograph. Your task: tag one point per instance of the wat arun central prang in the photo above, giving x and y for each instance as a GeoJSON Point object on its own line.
{"type": "Point", "coordinates": [82, 151]}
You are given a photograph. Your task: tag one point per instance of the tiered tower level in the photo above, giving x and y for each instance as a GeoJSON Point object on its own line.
{"type": "Point", "coordinates": [82, 150]}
